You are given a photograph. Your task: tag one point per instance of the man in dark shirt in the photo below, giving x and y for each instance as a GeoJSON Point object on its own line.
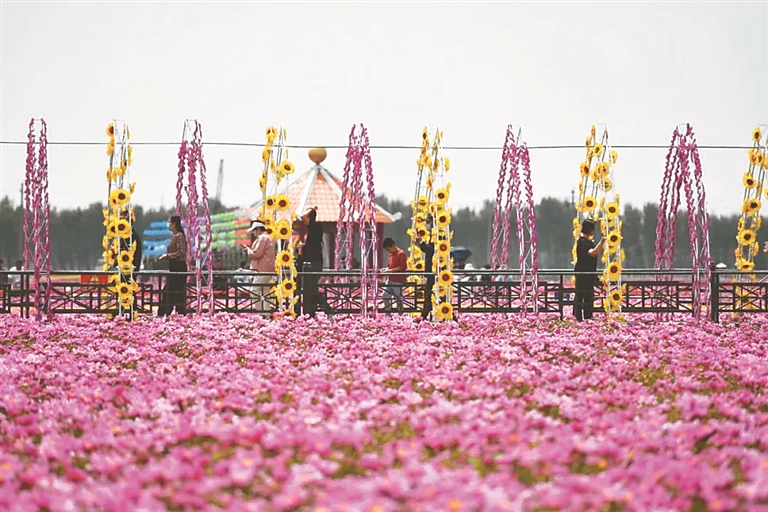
{"type": "Point", "coordinates": [311, 261]}
{"type": "Point", "coordinates": [586, 268]}
{"type": "Point", "coordinates": [428, 248]}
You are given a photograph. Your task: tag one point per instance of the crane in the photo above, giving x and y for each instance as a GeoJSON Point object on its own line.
{"type": "Point", "coordinates": [220, 181]}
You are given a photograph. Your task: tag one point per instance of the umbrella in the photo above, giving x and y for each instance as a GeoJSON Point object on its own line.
{"type": "Point", "coordinates": [460, 253]}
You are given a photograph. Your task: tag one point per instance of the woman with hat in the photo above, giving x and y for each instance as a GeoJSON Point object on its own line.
{"type": "Point", "coordinates": [261, 254]}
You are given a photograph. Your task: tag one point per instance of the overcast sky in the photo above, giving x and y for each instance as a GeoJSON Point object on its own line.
{"type": "Point", "coordinates": [317, 68]}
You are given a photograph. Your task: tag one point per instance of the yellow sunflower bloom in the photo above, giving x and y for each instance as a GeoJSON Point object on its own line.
{"type": "Point", "coordinates": [613, 271]}
{"type": "Point", "coordinates": [110, 147]}
{"type": "Point", "coordinates": [584, 169]}
{"type": "Point", "coordinates": [109, 257]}
{"type": "Point", "coordinates": [444, 311]}
{"type": "Point", "coordinates": [423, 233]}
{"type": "Point", "coordinates": [284, 259]}
{"type": "Point", "coordinates": [597, 150]}
{"type": "Point", "coordinates": [615, 296]}
{"type": "Point", "coordinates": [283, 203]}
{"type": "Point", "coordinates": [749, 180]}
{"type": "Point", "coordinates": [443, 248]}
{"type": "Point", "coordinates": [613, 238]}
{"type": "Point", "coordinates": [112, 228]}
{"type": "Point", "coordinates": [418, 266]}
{"type": "Point", "coordinates": [755, 157]}
{"type": "Point", "coordinates": [283, 230]}
{"type": "Point", "coordinates": [422, 203]}
{"type": "Point", "coordinates": [757, 135]}
{"type": "Point", "coordinates": [746, 237]}
{"type": "Point", "coordinates": [122, 228]}
{"type": "Point", "coordinates": [592, 132]}
{"type": "Point", "coordinates": [125, 259]}
{"type": "Point", "coordinates": [119, 197]}
{"type": "Point", "coordinates": [588, 204]}
{"type": "Point", "coordinates": [265, 154]}
{"type": "Point", "coordinates": [443, 220]}
{"type": "Point", "coordinates": [743, 265]}
{"type": "Point", "coordinates": [445, 277]}
{"type": "Point", "coordinates": [442, 194]}
{"type": "Point", "coordinates": [286, 167]}
{"type": "Point", "coordinates": [614, 157]}
{"type": "Point", "coordinates": [130, 155]}
{"type": "Point", "coordinates": [751, 206]}
{"type": "Point", "coordinates": [263, 184]}
{"type": "Point", "coordinates": [612, 210]}
{"type": "Point", "coordinates": [447, 164]}
{"type": "Point", "coordinates": [603, 170]}
{"type": "Point", "coordinates": [607, 184]}
{"type": "Point", "coordinates": [288, 287]}
{"type": "Point", "coordinates": [110, 129]}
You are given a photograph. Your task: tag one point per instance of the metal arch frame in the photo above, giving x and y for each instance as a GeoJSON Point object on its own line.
{"type": "Point", "coordinates": [683, 152]}
{"type": "Point", "coordinates": [513, 173]}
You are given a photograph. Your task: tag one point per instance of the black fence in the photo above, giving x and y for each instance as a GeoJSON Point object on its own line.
{"type": "Point", "coordinates": [474, 291]}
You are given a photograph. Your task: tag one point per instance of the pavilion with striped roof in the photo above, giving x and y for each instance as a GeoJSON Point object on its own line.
{"type": "Point", "coordinates": [319, 187]}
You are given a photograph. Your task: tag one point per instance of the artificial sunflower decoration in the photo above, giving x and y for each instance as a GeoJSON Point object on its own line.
{"type": "Point", "coordinates": [443, 220]}
{"type": "Point", "coordinates": [613, 271]}
{"type": "Point", "coordinates": [615, 296]}
{"type": "Point", "coordinates": [588, 204]}
{"type": "Point", "coordinates": [607, 184]}
{"type": "Point", "coordinates": [110, 129]}
{"type": "Point", "coordinates": [743, 265]}
{"type": "Point", "coordinates": [283, 203]}
{"type": "Point", "coordinates": [443, 248]}
{"type": "Point", "coordinates": [110, 147]}
{"type": "Point", "coordinates": [584, 169]}
{"type": "Point", "coordinates": [263, 184]}
{"type": "Point", "coordinates": [119, 197]}
{"type": "Point", "coordinates": [746, 237]}
{"type": "Point", "coordinates": [602, 170]}
{"type": "Point", "coordinates": [751, 206]}
{"type": "Point", "coordinates": [755, 157]}
{"type": "Point", "coordinates": [447, 164]}
{"type": "Point", "coordinates": [749, 180]}
{"type": "Point", "coordinates": [445, 277]}
{"type": "Point", "coordinates": [265, 154]}
{"type": "Point", "coordinates": [112, 228]}
{"type": "Point", "coordinates": [125, 260]}
{"type": "Point", "coordinates": [130, 155]}
{"type": "Point", "coordinates": [444, 311]}
{"type": "Point", "coordinates": [284, 259]}
{"type": "Point", "coordinates": [286, 167]}
{"type": "Point", "coordinates": [613, 238]}
{"type": "Point", "coordinates": [270, 202]}
{"type": "Point", "coordinates": [614, 157]}
{"type": "Point", "coordinates": [757, 135]}
{"type": "Point", "coordinates": [109, 257]}
{"type": "Point", "coordinates": [612, 210]}
{"type": "Point", "coordinates": [423, 233]}
{"type": "Point", "coordinates": [271, 133]}
{"type": "Point", "coordinates": [442, 194]}
{"type": "Point", "coordinates": [422, 203]}
{"type": "Point", "coordinates": [122, 228]}
{"type": "Point", "coordinates": [597, 150]}
{"type": "Point", "coordinates": [287, 287]}
{"type": "Point", "coordinates": [418, 266]}
{"type": "Point", "coordinates": [283, 230]}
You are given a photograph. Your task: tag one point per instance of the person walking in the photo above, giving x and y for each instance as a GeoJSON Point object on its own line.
{"type": "Point", "coordinates": [393, 287]}
{"type": "Point", "coordinates": [261, 254]}
{"type": "Point", "coordinates": [175, 289]}
{"type": "Point", "coordinates": [586, 268]}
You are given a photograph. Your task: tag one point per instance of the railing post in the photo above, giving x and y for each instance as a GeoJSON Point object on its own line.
{"type": "Point", "coordinates": [714, 296]}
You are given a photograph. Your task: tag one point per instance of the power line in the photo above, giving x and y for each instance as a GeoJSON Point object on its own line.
{"type": "Point", "coordinates": [451, 148]}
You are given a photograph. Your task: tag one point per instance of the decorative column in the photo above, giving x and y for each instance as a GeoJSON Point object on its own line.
{"type": "Point", "coordinates": [37, 216]}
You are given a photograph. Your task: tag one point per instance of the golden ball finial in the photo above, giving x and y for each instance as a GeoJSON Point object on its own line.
{"type": "Point", "coordinates": [317, 155]}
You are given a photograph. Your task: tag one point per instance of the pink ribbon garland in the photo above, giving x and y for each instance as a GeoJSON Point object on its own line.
{"type": "Point", "coordinates": [37, 215]}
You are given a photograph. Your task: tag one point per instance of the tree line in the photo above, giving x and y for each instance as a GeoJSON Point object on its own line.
{"type": "Point", "coordinates": [76, 234]}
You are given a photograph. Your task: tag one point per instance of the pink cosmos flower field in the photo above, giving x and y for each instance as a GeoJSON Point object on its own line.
{"type": "Point", "coordinates": [487, 413]}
